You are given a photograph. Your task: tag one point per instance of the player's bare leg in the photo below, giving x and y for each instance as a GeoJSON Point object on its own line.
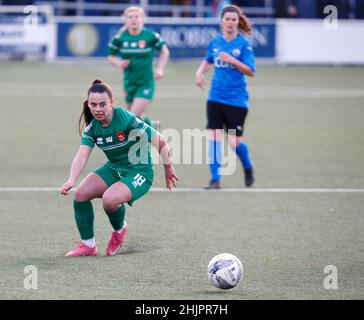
{"type": "Point", "coordinates": [113, 202]}
{"type": "Point", "coordinates": [138, 107]}
{"type": "Point", "coordinates": [90, 188]}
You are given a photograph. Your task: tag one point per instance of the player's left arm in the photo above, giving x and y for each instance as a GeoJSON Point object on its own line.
{"type": "Point", "coordinates": [156, 139]}
{"type": "Point", "coordinates": [241, 66]}
{"type": "Point", "coordinates": [159, 44]}
{"type": "Point", "coordinates": [163, 59]}
{"type": "Point", "coordinates": [244, 62]}
{"type": "Point", "coordinates": [161, 144]}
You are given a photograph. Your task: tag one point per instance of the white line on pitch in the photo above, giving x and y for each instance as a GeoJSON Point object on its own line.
{"type": "Point", "coordinates": [196, 190]}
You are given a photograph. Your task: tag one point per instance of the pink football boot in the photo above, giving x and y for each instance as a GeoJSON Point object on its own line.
{"type": "Point", "coordinates": [116, 241]}
{"type": "Point", "coordinates": [82, 250]}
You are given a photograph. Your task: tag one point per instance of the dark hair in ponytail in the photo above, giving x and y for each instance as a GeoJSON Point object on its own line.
{"type": "Point", "coordinates": [244, 24]}
{"type": "Point", "coordinates": [86, 116]}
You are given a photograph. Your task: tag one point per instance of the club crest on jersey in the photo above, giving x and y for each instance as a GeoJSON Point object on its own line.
{"type": "Point", "coordinates": [142, 44]}
{"type": "Point", "coordinates": [120, 136]}
{"type": "Point", "coordinates": [236, 52]}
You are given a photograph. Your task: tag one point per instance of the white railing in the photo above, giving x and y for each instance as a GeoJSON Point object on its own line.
{"type": "Point", "coordinates": [25, 33]}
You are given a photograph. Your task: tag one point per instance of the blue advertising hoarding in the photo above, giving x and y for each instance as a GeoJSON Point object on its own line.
{"type": "Point", "coordinates": [183, 40]}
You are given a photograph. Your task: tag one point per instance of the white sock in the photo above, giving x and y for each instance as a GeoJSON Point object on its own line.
{"type": "Point", "coordinates": [89, 242]}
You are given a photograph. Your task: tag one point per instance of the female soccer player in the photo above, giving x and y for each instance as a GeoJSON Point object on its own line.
{"type": "Point", "coordinates": [132, 49]}
{"type": "Point", "coordinates": [127, 176]}
{"type": "Point", "coordinates": [227, 105]}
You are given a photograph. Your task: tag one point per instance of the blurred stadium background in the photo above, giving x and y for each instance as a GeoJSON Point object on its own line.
{"type": "Point", "coordinates": [305, 130]}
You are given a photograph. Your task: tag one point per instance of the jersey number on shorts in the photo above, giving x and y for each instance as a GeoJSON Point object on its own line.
{"type": "Point", "coordinates": [138, 180]}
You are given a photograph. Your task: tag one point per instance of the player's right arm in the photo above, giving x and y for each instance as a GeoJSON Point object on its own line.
{"type": "Point", "coordinates": [200, 74]}
{"type": "Point", "coordinates": [205, 66]}
{"type": "Point", "coordinates": [78, 164]}
{"type": "Point", "coordinates": [113, 50]}
{"type": "Point", "coordinates": [119, 63]}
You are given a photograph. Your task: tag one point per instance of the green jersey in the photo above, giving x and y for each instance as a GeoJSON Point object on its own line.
{"type": "Point", "coordinates": [125, 142]}
{"type": "Point", "coordinates": [139, 50]}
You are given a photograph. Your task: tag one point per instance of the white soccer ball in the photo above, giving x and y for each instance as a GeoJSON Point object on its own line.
{"type": "Point", "coordinates": [225, 271]}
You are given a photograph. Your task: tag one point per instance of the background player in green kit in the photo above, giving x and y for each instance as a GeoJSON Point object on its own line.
{"type": "Point", "coordinates": [127, 176]}
{"type": "Point", "coordinates": [132, 49]}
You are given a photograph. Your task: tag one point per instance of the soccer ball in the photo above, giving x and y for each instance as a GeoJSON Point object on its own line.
{"type": "Point", "coordinates": [225, 271]}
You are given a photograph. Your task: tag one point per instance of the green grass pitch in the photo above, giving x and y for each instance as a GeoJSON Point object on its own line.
{"type": "Point", "coordinates": [305, 129]}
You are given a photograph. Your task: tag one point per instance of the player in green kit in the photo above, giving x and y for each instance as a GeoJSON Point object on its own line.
{"type": "Point", "coordinates": [132, 49]}
{"type": "Point", "coordinates": [127, 176]}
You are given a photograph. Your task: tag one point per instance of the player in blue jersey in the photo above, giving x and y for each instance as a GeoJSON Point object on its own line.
{"type": "Point", "coordinates": [227, 106]}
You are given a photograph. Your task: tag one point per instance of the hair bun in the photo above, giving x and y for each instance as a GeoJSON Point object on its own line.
{"type": "Point", "coordinates": [96, 81]}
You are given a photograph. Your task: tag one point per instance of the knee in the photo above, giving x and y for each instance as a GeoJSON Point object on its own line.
{"type": "Point", "coordinates": [110, 203]}
{"type": "Point", "coordinates": [215, 134]}
{"type": "Point", "coordinates": [234, 141]}
{"type": "Point", "coordinates": [82, 195]}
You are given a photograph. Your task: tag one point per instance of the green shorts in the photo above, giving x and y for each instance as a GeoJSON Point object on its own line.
{"type": "Point", "coordinates": [136, 182]}
{"type": "Point", "coordinates": [145, 91]}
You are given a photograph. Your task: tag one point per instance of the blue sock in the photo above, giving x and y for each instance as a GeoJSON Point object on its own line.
{"type": "Point", "coordinates": [243, 154]}
{"type": "Point", "coordinates": [215, 159]}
